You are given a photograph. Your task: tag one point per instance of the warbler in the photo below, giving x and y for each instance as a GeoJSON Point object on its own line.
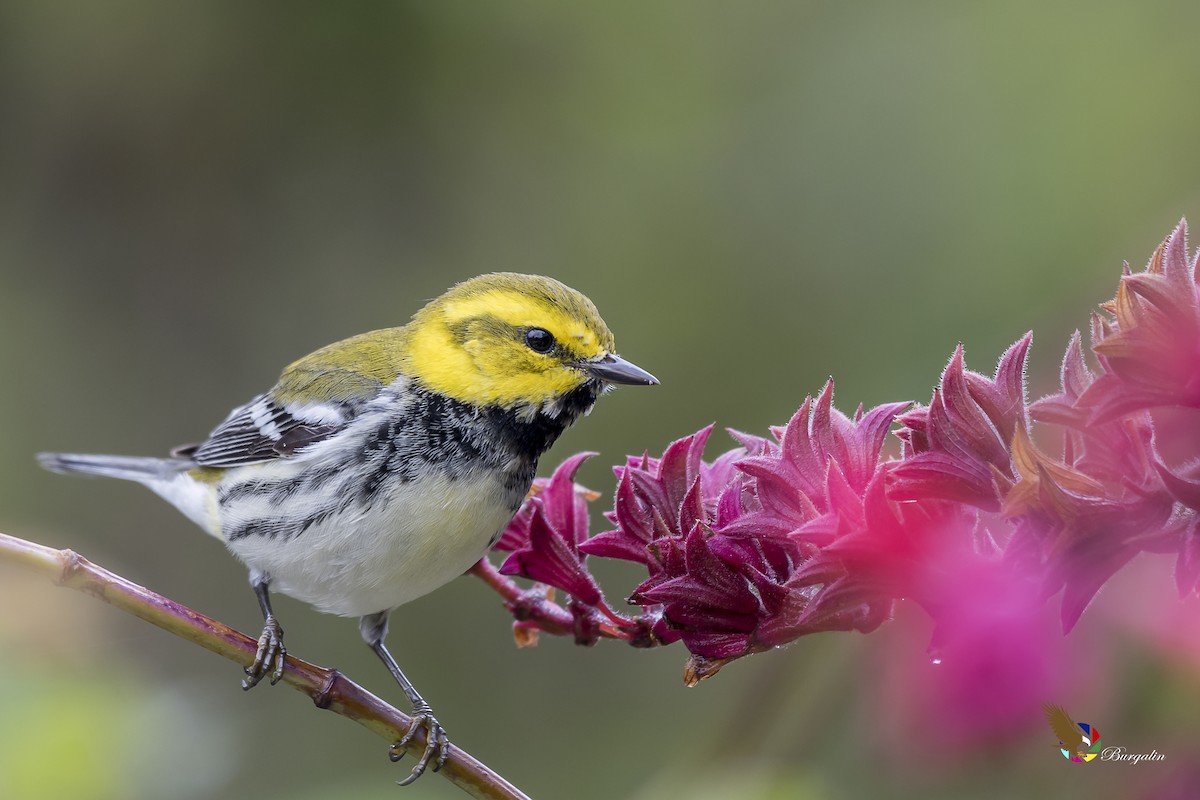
{"type": "Point", "coordinates": [380, 467]}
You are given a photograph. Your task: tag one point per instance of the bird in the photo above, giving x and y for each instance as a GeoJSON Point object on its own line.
{"type": "Point", "coordinates": [380, 467]}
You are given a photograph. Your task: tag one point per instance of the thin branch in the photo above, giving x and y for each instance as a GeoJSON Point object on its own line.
{"type": "Point", "coordinates": [534, 607]}
{"type": "Point", "coordinates": [527, 605]}
{"type": "Point", "coordinates": [327, 688]}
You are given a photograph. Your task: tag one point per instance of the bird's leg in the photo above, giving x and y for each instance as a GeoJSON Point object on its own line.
{"type": "Point", "coordinates": [269, 658]}
{"type": "Point", "coordinates": [437, 745]}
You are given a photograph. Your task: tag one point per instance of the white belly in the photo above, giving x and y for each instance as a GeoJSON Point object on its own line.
{"type": "Point", "coordinates": [408, 543]}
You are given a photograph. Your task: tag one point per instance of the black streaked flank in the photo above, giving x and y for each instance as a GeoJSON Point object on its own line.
{"type": "Point", "coordinates": [430, 434]}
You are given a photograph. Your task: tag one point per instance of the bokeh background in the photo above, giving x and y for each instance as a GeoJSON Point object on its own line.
{"type": "Point", "coordinates": [757, 195]}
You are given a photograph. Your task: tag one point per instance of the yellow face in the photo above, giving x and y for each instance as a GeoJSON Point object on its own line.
{"type": "Point", "coordinates": [505, 339]}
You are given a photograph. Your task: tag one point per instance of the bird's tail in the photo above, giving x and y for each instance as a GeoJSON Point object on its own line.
{"type": "Point", "coordinates": [166, 477]}
{"type": "Point", "coordinates": [130, 468]}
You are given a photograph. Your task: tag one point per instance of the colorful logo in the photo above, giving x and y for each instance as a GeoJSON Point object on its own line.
{"type": "Point", "coordinates": [1077, 741]}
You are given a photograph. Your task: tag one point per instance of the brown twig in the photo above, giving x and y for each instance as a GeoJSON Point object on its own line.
{"type": "Point", "coordinates": [530, 605]}
{"type": "Point", "coordinates": [534, 607]}
{"type": "Point", "coordinates": [327, 688]}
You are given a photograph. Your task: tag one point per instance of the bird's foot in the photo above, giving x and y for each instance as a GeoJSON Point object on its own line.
{"type": "Point", "coordinates": [437, 743]}
{"type": "Point", "coordinates": [269, 658]}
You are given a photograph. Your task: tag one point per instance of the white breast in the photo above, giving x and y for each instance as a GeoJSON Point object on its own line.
{"type": "Point", "coordinates": [409, 542]}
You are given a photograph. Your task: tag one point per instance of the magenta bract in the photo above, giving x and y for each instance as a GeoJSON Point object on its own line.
{"type": "Point", "coordinates": [813, 529]}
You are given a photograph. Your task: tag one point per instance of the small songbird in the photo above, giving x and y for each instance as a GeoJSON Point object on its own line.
{"type": "Point", "coordinates": [382, 466]}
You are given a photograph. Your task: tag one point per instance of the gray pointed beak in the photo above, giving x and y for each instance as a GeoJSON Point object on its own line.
{"type": "Point", "coordinates": [615, 369]}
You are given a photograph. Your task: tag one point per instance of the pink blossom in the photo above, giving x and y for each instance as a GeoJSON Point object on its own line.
{"type": "Point", "coordinates": [814, 529]}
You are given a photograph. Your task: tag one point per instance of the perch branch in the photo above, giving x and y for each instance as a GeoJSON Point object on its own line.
{"type": "Point", "coordinates": [327, 688]}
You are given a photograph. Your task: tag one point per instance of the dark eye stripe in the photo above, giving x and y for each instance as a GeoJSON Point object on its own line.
{"type": "Point", "coordinates": [464, 329]}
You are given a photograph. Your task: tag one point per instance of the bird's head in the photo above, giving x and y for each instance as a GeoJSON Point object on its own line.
{"type": "Point", "coordinates": [514, 341]}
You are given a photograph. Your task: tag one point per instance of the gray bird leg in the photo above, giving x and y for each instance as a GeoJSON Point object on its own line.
{"type": "Point", "coordinates": [437, 744]}
{"type": "Point", "coordinates": [268, 660]}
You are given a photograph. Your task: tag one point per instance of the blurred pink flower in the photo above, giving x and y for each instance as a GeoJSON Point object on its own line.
{"type": "Point", "coordinates": [812, 530]}
{"type": "Point", "coordinates": [1150, 349]}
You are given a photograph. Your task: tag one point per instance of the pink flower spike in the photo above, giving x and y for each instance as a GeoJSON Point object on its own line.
{"type": "Point", "coordinates": [552, 558]}
{"type": "Point", "coordinates": [1074, 375]}
{"type": "Point", "coordinates": [563, 501]}
{"type": "Point", "coordinates": [1150, 346]}
{"type": "Point", "coordinates": [980, 520]}
{"type": "Point", "coordinates": [516, 533]}
{"type": "Point", "coordinates": [958, 449]}
{"type": "Point", "coordinates": [566, 502]}
{"type": "Point", "coordinates": [545, 534]}
{"type": "Point", "coordinates": [1002, 397]}
{"type": "Point", "coordinates": [665, 497]}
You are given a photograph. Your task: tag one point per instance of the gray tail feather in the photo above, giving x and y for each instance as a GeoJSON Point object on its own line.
{"type": "Point", "coordinates": [130, 468]}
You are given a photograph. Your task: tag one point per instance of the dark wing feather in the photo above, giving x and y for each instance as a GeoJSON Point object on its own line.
{"type": "Point", "coordinates": [259, 431]}
{"type": "Point", "coordinates": [315, 397]}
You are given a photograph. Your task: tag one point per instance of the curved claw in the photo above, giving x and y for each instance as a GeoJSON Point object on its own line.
{"type": "Point", "coordinates": [269, 658]}
{"type": "Point", "coordinates": [437, 744]}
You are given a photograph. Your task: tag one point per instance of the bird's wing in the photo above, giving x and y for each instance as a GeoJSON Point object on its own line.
{"type": "Point", "coordinates": [277, 425]}
{"type": "Point", "coordinates": [261, 430]}
{"type": "Point", "coordinates": [315, 398]}
{"type": "Point", "coordinates": [1063, 726]}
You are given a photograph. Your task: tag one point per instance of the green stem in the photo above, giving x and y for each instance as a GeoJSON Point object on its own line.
{"type": "Point", "coordinates": [327, 688]}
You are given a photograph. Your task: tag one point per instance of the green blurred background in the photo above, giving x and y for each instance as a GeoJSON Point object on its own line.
{"type": "Point", "coordinates": [756, 195]}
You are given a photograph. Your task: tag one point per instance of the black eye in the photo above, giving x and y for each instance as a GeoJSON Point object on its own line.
{"type": "Point", "coordinates": [539, 340]}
